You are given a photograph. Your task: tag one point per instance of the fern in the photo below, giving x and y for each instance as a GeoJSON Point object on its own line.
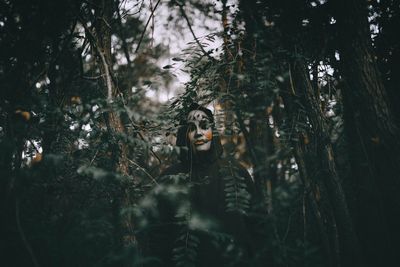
{"type": "Point", "coordinates": [185, 251]}
{"type": "Point", "coordinates": [237, 199]}
{"type": "Point", "coordinates": [185, 254]}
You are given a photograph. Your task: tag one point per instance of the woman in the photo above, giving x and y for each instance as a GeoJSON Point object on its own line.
{"type": "Point", "coordinates": [201, 209]}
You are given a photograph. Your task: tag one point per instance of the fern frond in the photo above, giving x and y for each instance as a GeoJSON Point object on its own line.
{"type": "Point", "coordinates": [237, 199]}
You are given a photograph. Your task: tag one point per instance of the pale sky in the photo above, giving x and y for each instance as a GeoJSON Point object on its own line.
{"type": "Point", "coordinates": [176, 40]}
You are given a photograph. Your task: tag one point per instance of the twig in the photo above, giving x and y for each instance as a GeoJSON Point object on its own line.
{"type": "Point", "coordinates": [145, 27]}
{"type": "Point", "coordinates": [287, 227]}
{"type": "Point", "coordinates": [194, 35]}
{"type": "Point", "coordinates": [22, 234]}
{"type": "Point", "coordinates": [126, 13]}
{"type": "Point", "coordinates": [124, 44]}
{"type": "Point", "coordinates": [291, 81]}
{"type": "Point", "coordinates": [105, 22]}
{"type": "Point", "coordinates": [152, 26]}
{"type": "Point", "coordinates": [94, 157]}
{"type": "Point", "coordinates": [92, 78]}
{"type": "Point", "coordinates": [144, 170]}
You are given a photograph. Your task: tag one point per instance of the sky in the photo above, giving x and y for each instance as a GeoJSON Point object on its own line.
{"type": "Point", "coordinates": [177, 40]}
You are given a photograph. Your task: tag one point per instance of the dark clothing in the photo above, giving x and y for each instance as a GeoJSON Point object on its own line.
{"type": "Point", "coordinates": [214, 197]}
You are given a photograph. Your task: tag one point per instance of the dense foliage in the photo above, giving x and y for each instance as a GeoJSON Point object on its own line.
{"type": "Point", "coordinates": [304, 96]}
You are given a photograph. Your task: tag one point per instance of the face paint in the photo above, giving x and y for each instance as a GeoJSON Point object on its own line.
{"type": "Point", "coordinates": [199, 130]}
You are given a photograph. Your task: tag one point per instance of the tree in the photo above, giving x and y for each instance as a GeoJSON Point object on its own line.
{"type": "Point", "coordinates": [372, 129]}
{"type": "Point", "coordinates": [305, 97]}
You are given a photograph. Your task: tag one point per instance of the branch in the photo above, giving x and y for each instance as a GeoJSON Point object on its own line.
{"type": "Point", "coordinates": [106, 68]}
{"type": "Point", "coordinates": [145, 27]}
{"type": "Point", "coordinates": [124, 44]}
{"type": "Point", "coordinates": [92, 77]}
{"type": "Point", "coordinates": [144, 170]}
{"type": "Point", "coordinates": [107, 73]}
{"type": "Point", "coordinates": [191, 30]}
{"type": "Point", "coordinates": [22, 234]}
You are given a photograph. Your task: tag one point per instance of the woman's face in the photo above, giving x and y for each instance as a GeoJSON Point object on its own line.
{"type": "Point", "coordinates": [199, 130]}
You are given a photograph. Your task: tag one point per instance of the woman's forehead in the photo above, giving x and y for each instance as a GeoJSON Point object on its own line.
{"type": "Point", "coordinates": [197, 115]}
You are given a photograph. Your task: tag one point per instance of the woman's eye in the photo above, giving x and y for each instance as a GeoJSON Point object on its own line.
{"type": "Point", "coordinates": [191, 127]}
{"type": "Point", "coordinates": [204, 125]}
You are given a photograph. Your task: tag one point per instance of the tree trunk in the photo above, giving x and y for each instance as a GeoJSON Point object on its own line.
{"type": "Point", "coordinates": [103, 48]}
{"type": "Point", "coordinates": [365, 88]}
{"type": "Point", "coordinates": [322, 152]}
{"type": "Point", "coordinates": [118, 150]}
{"type": "Point", "coordinates": [373, 135]}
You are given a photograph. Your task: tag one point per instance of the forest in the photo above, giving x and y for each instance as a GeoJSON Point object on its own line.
{"type": "Point", "coordinates": [301, 98]}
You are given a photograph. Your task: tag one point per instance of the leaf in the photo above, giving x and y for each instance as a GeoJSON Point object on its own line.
{"type": "Point", "coordinates": [177, 59]}
{"type": "Point", "coordinates": [147, 82]}
{"type": "Point", "coordinates": [166, 67]}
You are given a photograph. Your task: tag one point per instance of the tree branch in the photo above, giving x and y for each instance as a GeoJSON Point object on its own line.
{"type": "Point", "coordinates": [107, 73]}
{"type": "Point", "coordinates": [121, 33]}
{"type": "Point", "coordinates": [194, 35]}
{"type": "Point", "coordinates": [145, 27]}
{"type": "Point", "coordinates": [144, 170]}
{"type": "Point", "coordinates": [22, 234]}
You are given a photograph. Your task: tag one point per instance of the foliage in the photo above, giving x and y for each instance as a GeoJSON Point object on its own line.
{"type": "Point", "coordinates": [79, 170]}
{"type": "Point", "coordinates": [236, 196]}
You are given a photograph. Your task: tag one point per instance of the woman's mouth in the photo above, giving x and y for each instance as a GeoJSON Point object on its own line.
{"type": "Point", "coordinates": [199, 142]}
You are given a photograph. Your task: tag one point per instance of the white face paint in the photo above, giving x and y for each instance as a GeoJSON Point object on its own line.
{"type": "Point", "coordinates": [199, 130]}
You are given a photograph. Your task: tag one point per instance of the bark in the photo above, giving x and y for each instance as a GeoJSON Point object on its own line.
{"type": "Point", "coordinates": [312, 200]}
{"type": "Point", "coordinates": [302, 91]}
{"type": "Point", "coordinates": [373, 135]}
{"type": "Point", "coordinates": [365, 90]}
{"type": "Point", "coordinates": [101, 39]}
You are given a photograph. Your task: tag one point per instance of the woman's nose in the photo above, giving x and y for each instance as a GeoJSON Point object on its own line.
{"type": "Point", "coordinates": [197, 132]}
